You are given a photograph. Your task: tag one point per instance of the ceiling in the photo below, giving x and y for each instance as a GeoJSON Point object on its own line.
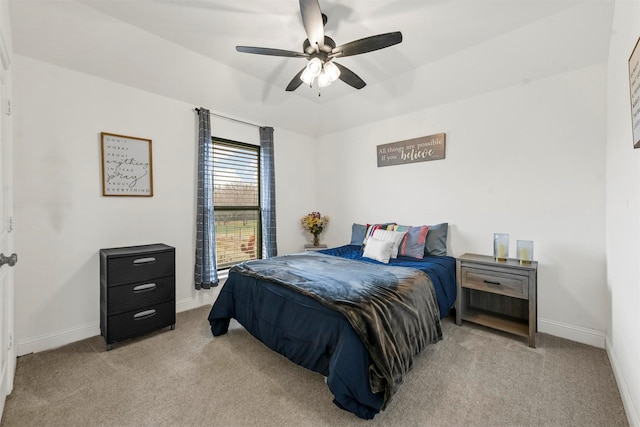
{"type": "Point", "coordinates": [451, 49]}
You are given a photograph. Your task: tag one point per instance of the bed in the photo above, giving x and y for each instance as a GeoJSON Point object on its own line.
{"type": "Point", "coordinates": [304, 307]}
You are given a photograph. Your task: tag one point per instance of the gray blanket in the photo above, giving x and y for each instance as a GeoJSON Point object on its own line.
{"type": "Point", "coordinates": [393, 309]}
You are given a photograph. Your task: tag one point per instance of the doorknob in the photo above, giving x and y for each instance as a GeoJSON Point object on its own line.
{"type": "Point", "coordinates": [11, 260]}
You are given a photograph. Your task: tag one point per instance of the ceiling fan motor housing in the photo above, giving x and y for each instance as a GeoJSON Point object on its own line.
{"type": "Point", "coordinates": [329, 45]}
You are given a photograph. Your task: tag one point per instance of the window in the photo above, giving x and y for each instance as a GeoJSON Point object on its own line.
{"type": "Point", "coordinates": [236, 202]}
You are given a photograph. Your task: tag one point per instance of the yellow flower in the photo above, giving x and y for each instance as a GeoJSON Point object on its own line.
{"type": "Point", "coordinates": [314, 223]}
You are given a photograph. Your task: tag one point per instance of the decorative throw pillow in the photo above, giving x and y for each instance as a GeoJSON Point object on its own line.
{"type": "Point", "coordinates": [413, 244]}
{"type": "Point", "coordinates": [358, 232]}
{"type": "Point", "coordinates": [371, 228]}
{"type": "Point", "coordinates": [437, 240]}
{"type": "Point", "coordinates": [379, 250]}
{"type": "Point", "coordinates": [390, 236]}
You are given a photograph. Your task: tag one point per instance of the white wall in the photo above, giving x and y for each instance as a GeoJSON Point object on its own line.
{"type": "Point", "coordinates": [527, 160]}
{"type": "Point", "coordinates": [623, 212]}
{"type": "Point", "coordinates": [61, 218]}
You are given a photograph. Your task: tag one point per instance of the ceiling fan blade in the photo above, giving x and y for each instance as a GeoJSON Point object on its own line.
{"type": "Point", "coordinates": [271, 52]}
{"type": "Point", "coordinates": [312, 21]}
{"type": "Point", "coordinates": [295, 82]}
{"type": "Point", "coordinates": [368, 44]}
{"type": "Point", "coordinates": [349, 77]}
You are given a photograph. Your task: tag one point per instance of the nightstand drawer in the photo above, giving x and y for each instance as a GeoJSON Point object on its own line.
{"type": "Point", "coordinates": [130, 297]}
{"type": "Point", "coordinates": [140, 267]}
{"type": "Point", "coordinates": [138, 322]}
{"type": "Point", "coordinates": [502, 283]}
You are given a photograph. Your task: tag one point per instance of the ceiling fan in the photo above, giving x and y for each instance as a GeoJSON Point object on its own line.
{"type": "Point", "coordinates": [321, 51]}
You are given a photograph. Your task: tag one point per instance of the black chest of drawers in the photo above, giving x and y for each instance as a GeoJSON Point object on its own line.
{"type": "Point", "coordinates": [137, 291]}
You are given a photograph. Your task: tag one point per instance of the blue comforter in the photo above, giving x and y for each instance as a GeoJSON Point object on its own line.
{"type": "Point", "coordinates": [312, 334]}
{"type": "Point", "coordinates": [440, 269]}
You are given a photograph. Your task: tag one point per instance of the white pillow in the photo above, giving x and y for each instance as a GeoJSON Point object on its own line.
{"type": "Point", "coordinates": [391, 236]}
{"type": "Point", "coordinates": [379, 250]}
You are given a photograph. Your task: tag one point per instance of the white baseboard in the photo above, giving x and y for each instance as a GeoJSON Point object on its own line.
{"type": "Point", "coordinates": [632, 414]}
{"type": "Point", "coordinates": [571, 332]}
{"type": "Point", "coordinates": [67, 336]}
{"type": "Point", "coordinates": [207, 297]}
{"type": "Point", "coordinates": [597, 339]}
{"type": "Point", "coordinates": [57, 339]}
{"type": "Point", "coordinates": [203, 297]}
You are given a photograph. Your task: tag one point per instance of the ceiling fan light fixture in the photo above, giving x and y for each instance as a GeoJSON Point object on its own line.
{"type": "Point", "coordinates": [307, 77]}
{"type": "Point", "coordinates": [314, 67]}
{"type": "Point", "coordinates": [332, 71]}
{"type": "Point", "coordinates": [323, 79]}
{"type": "Point", "coordinates": [319, 50]}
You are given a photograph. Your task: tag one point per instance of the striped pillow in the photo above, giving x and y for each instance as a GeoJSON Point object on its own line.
{"type": "Point", "coordinates": [371, 228]}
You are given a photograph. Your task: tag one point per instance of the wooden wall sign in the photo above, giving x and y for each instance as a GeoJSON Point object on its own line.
{"type": "Point", "coordinates": [414, 150]}
{"type": "Point", "coordinates": [634, 88]}
{"type": "Point", "coordinates": [126, 166]}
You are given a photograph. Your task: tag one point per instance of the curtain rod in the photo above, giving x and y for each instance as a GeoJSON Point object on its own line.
{"type": "Point", "coordinates": [229, 118]}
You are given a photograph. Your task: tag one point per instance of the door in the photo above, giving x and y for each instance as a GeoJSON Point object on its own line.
{"type": "Point", "coordinates": [7, 347]}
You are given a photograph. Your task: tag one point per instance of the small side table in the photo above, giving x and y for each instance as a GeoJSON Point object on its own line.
{"type": "Point", "coordinates": [308, 248]}
{"type": "Point", "coordinates": [498, 294]}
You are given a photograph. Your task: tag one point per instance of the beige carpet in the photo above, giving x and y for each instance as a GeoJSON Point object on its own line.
{"type": "Point", "coordinates": [185, 377]}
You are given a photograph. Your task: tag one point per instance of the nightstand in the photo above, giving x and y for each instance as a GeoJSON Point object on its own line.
{"type": "Point", "coordinates": [498, 294]}
{"type": "Point", "coordinates": [137, 291]}
{"type": "Point", "coordinates": [308, 248]}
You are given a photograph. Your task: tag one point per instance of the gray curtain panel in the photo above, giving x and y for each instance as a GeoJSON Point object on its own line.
{"type": "Point", "coordinates": [206, 274]}
{"type": "Point", "coordinates": [268, 193]}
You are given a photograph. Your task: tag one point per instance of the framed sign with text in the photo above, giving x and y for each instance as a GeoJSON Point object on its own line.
{"type": "Point", "coordinates": [414, 150]}
{"type": "Point", "coordinates": [126, 166]}
{"type": "Point", "coordinates": [634, 88]}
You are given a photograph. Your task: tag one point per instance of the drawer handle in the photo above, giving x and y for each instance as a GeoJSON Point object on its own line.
{"type": "Point", "coordinates": [489, 282]}
{"type": "Point", "coordinates": [147, 260]}
{"type": "Point", "coordinates": [144, 314]}
{"type": "Point", "coordinates": [145, 288]}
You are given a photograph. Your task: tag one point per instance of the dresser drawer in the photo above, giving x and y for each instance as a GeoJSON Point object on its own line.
{"type": "Point", "coordinates": [496, 282]}
{"type": "Point", "coordinates": [137, 295]}
{"type": "Point", "coordinates": [138, 322]}
{"type": "Point", "coordinates": [140, 267]}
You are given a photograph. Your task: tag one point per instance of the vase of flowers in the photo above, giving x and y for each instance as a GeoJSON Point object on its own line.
{"type": "Point", "coordinates": [314, 223]}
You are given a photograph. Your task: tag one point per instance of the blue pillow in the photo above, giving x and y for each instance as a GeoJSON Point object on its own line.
{"type": "Point", "coordinates": [437, 240]}
{"type": "Point", "coordinates": [358, 232]}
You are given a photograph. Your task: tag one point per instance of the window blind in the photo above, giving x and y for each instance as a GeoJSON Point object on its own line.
{"type": "Point", "coordinates": [236, 199]}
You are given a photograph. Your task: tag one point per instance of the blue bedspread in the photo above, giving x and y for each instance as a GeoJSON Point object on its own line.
{"type": "Point", "coordinates": [313, 335]}
{"type": "Point", "coordinates": [441, 270]}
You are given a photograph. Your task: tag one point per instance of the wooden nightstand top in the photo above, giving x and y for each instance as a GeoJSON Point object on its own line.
{"type": "Point", "coordinates": [489, 260]}
{"type": "Point", "coordinates": [315, 248]}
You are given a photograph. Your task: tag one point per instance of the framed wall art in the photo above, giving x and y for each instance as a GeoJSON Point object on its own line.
{"type": "Point", "coordinates": [634, 90]}
{"type": "Point", "coordinates": [126, 166]}
{"type": "Point", "coordinates": [414, 150]}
